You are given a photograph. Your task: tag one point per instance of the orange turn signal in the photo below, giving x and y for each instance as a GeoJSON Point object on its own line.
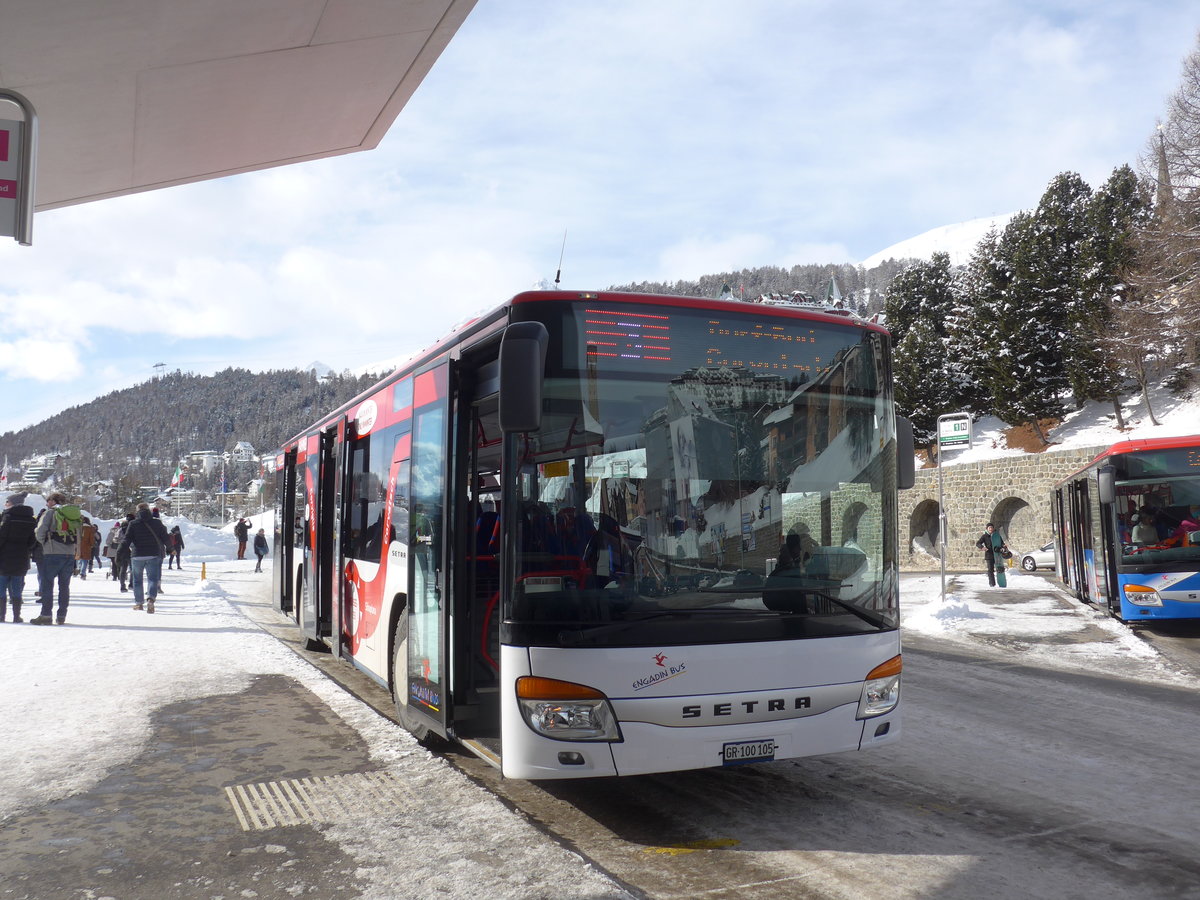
{"type": "Point", "coordinates": [531, 687]}
{"type": "Point", "coordinates": [885, 670]}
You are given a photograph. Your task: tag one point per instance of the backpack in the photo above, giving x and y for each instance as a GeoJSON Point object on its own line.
{"type": "Point", "coordinates": [65, 527]}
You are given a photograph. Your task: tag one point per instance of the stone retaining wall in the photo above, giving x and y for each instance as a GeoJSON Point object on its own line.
{"type": "Point", "coordinates": [1013, 492]}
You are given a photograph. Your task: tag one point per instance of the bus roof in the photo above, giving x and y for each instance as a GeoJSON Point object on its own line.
{"type": "Point", "coordinates": [810, 313]}
{"type": "Point", "coordinates": [1137, 445]}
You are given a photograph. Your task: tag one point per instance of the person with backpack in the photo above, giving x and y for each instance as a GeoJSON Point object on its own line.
{"type": "Point", "coordinates": [57, 533]}
{"type": "Point", "coordinates": [16, 544]}
{"type": "Point", "coordinates": [146, 540]}
{"type": "Point", "coordinates": [174, 548]}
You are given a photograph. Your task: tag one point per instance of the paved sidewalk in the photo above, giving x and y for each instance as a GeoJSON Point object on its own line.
{"type": "Point", "coordinates": [188, 755]}
{"type": "Point", "coordinates": [162, 824]}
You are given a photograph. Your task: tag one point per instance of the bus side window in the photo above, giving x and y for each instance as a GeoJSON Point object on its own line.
{"type": "Point", "coordinates": [400, 504]}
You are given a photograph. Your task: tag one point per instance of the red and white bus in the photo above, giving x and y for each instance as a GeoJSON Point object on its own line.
{"type": "Point", "coordinates": [608, 534]}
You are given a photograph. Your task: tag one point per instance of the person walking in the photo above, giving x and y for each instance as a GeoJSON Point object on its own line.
{"type": "Point", "coordinates": [121, 554]}
{"type": "Point", "coordinates": [17, 541]}
{"type": "Point", "coordinates": [57, 534]}
{"type": "Point", "coordinates": [260, 548]}
{"type": "Point", "coordinates": [146, 540]}
{"type": "Point", "coordinates": [174, 548]}
{"type": "Point", "coordinates": [110, 548]}
{"type": "Point", "coordinates": [97, 543]}
{"type": "Point", "coordinates": [241, 531]}
{"type": "Point", "coordinates": [83, 547]}
{"type": "Point", "coordinates": [991, 542]}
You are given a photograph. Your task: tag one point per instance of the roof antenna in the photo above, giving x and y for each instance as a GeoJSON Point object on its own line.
{"type": "Point", "coordinates": [558, 274]}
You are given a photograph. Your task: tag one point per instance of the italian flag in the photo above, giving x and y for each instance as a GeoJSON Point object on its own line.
{"type": "Point", "coordinates": [177, 477]}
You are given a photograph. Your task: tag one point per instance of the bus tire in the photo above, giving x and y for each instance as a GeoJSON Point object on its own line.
{"type": "Point", "coordinates": [411, 723]}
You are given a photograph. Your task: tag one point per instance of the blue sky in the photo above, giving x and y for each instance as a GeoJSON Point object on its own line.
{"type": "Point", "coordinates": [668, 139]}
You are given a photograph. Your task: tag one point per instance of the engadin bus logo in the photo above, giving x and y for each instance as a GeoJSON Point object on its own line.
{"type": "Point", "coordinates": [664, 672]}
{"type": "Point", "coordinates": [365, 420]}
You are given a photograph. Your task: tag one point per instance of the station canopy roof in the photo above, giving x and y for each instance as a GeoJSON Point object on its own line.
{"type": "Point", "coordinates": [133, 95]}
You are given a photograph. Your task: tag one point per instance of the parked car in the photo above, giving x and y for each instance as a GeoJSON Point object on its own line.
{"type": "Point", "coordinates": [1038, 559]}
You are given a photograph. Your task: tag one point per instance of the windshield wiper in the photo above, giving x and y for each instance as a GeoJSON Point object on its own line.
{"type": "Point", "coordinates": [866, 615]}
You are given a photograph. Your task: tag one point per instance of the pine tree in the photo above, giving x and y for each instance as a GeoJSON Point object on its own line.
{"type": "Point", "coordinates": [924, 290]}
{"type": "Point", "coordinates": [920, 303]}
{"type": "Point", "coordinates": [1019, 357]}
{"type": "Point", "coordinates": [1096, 367]}
{"type": "Point", "coordinates": [924, 389]}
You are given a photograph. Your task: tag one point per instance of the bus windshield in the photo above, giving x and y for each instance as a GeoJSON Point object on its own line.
{"type": "Point", "coordinates": [706, 477]}
{"type": "Point", "coordinates": [1160, 522]}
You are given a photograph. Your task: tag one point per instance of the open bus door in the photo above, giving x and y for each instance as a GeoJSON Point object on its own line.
{"type": "Point", "coordinates": [286, 551]}
{"type": "Point", "coordinates": [424, 631]}
{"type": "Point", "coordinates": [1058, 515]}
{"type": "Point", "coordinates": [1080, 512]}
{"type": "Point", "coordinates": [320, 585]}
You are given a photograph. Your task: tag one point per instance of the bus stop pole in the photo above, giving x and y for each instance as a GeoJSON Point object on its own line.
{"type": "Point", "coordinates": [941, 523]}
{"type": "Point", "coordinates": [953, 430]}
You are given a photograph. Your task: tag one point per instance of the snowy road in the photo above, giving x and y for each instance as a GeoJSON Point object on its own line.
{"type": "Point", "coordinates": [1010, 782]}
{"type": "Point", "coordinates": [1047, 754]}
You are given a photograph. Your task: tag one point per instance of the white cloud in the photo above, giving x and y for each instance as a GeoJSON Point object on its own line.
{"type": "Point", "coordinates": [47, 361]}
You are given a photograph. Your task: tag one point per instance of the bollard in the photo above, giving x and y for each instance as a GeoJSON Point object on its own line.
{"type": "Point", "coordinates": [203, 574]}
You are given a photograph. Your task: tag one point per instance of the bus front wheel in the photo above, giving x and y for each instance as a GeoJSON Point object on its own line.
{"type": "Point", "coordinates": [411, 723]}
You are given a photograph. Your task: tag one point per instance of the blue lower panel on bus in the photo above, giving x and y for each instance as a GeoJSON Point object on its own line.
{"type": "Point", "coordinates": [1170, 595]}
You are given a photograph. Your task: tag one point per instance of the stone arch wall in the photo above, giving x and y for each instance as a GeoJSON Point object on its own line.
{"type": "Point", "coordinates": [922, 523]}
{"type": "Point", "coordinates": [1012, 491]}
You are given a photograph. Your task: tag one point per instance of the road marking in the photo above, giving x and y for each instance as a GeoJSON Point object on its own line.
{"type": "Point", "coordinates": [694, 846]}
{"type": "Point", "coordinates": [736, 890]}
{"type": "Point", "coordinates": [323, 799]}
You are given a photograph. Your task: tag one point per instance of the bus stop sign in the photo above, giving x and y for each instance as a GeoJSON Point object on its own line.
{"type": "Point", "coordinates": [18, 148]}
{"type": "Point", "coordinates": [954, 431]}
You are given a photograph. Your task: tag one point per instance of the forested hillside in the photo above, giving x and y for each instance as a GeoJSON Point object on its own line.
{"type": "Point", "coordinates": [864, 288]}
{"type": "Point", "coordinates": [167, 417]}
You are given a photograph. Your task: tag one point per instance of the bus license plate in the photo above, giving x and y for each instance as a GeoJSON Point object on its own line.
{"type": "Point", "coordinates": [736, 753]}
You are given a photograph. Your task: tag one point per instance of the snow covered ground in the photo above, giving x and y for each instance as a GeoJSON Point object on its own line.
{"type": "Point", "coordinates": [83, 695]}
{"type": "Point", "coordinates": [79, 699]}
{"type": "Point", "coordinates": [1033, 621]}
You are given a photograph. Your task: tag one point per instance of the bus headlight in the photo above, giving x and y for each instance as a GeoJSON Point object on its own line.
{"type": "Point", "coordinates": [1140, 595]}
{"type": "Point", "coordinates": [566, 711]}
{"type": "Point", "coordinates": [881, 690]}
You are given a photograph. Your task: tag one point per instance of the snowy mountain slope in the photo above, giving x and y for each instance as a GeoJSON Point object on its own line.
{"type": "Point", "coordinates": [958, 240]}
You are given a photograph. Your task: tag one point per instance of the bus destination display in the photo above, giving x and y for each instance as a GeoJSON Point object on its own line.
{"type": "Point", "coordinates": [689, 340]}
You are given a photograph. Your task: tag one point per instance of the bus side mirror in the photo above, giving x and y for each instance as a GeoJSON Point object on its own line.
{"type": "Point", "coordinates": [1106, 481]}
{"type": "Point", "coordinates": [522, 368]}
{"type": "Point", "coordinates": [906, 462]}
